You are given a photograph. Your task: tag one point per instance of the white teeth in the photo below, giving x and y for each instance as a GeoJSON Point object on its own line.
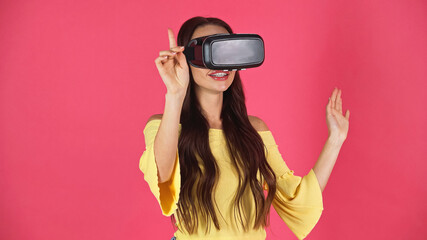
{"type": "Point", "coordinates": [219, 74]}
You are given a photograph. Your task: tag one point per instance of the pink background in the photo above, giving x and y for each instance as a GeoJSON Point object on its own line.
{"type": "Point", "coordinates": [78, 83]}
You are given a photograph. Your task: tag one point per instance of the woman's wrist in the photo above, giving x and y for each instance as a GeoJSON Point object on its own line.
{"type": "Point", "coordinates": [177, 96]}
{"type": "Point", "coordinates": [336, 139]}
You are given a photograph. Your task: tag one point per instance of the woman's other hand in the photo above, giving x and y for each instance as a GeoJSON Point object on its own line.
{"type": "Point", "coordinates": [336, 121]}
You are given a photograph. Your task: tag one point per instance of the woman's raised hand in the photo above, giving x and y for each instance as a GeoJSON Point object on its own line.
{"type": "Point", "coordinates": [173, 68]}
{"type": "Point", "coordinates": [336, 121]}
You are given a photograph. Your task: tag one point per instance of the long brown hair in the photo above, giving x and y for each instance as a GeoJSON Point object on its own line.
{"type": "Point", "coordinates": [244, 145]}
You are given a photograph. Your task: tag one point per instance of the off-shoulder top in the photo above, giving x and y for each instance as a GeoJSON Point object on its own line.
{"type": "Point", "coordinates": [298, 200]}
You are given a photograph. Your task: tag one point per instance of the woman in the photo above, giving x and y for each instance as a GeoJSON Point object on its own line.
{"type": "Point", "coordinates": [208, 162]}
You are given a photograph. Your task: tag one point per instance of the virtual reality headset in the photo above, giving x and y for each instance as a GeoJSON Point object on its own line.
{"type": "Point", "coordinates": [226, 51]}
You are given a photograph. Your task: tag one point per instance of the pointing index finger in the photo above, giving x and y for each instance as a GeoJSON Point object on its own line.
{"type": "Point", "coordinates": [172, 42]}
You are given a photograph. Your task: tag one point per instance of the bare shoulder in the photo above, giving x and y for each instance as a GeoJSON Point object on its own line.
{"type": "Point", "coordinates": [258, 123]}
{"type": "Point", "coordinates": [155, 116]}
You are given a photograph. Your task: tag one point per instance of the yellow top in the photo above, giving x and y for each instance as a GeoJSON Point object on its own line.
{"type": "Point", "coordinates": [298, 200]}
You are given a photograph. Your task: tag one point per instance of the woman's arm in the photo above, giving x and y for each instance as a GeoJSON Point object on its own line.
{"type": "Point", "coordinates": [338, 129]}
{"type": "Point", "coordinates": [166, 140]}
{"type": "Point", "coordinates": [324, 165]}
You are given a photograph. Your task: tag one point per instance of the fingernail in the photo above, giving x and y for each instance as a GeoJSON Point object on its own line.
{"type": "Point", "coordinates": [182, 47]}
{"type": "Point", "coordinates": [173, 52]}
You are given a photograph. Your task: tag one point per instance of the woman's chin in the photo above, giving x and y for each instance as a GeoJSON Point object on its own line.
{"type": "Point", "coordinates": [223, 87]}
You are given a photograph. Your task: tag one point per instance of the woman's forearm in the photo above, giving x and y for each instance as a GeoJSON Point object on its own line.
{"type": "Point", "coordinates": [166, 140]}
{"type": "Point", "coordinates": [327, 158]}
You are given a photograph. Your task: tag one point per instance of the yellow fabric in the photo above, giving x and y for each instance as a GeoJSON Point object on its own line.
{"type": "Point", "coordinates": [298, 200]}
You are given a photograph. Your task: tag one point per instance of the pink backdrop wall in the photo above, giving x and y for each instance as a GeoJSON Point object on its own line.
{"type": "Point", "coordinates": [78, 83]}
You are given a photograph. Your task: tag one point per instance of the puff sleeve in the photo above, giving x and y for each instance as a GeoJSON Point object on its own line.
{"type": "Point", "coordinates": [167, 193]}
{"type": "Point", "coordinates": [298, 200]}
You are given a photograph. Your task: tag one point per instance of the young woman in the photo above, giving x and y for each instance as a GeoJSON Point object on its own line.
{"type": "Point", "coordinates": [207, 162]}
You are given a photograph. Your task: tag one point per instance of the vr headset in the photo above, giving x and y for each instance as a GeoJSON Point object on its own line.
{"type": "Point", "coordinates": [226, 51]}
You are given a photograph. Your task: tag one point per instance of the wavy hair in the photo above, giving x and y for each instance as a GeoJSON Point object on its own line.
{"type": "Point", "coordinates": [244, 145]}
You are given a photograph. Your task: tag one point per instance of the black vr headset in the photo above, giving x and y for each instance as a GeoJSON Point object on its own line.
{"type": "Point", "coordinates": [226, 51]}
